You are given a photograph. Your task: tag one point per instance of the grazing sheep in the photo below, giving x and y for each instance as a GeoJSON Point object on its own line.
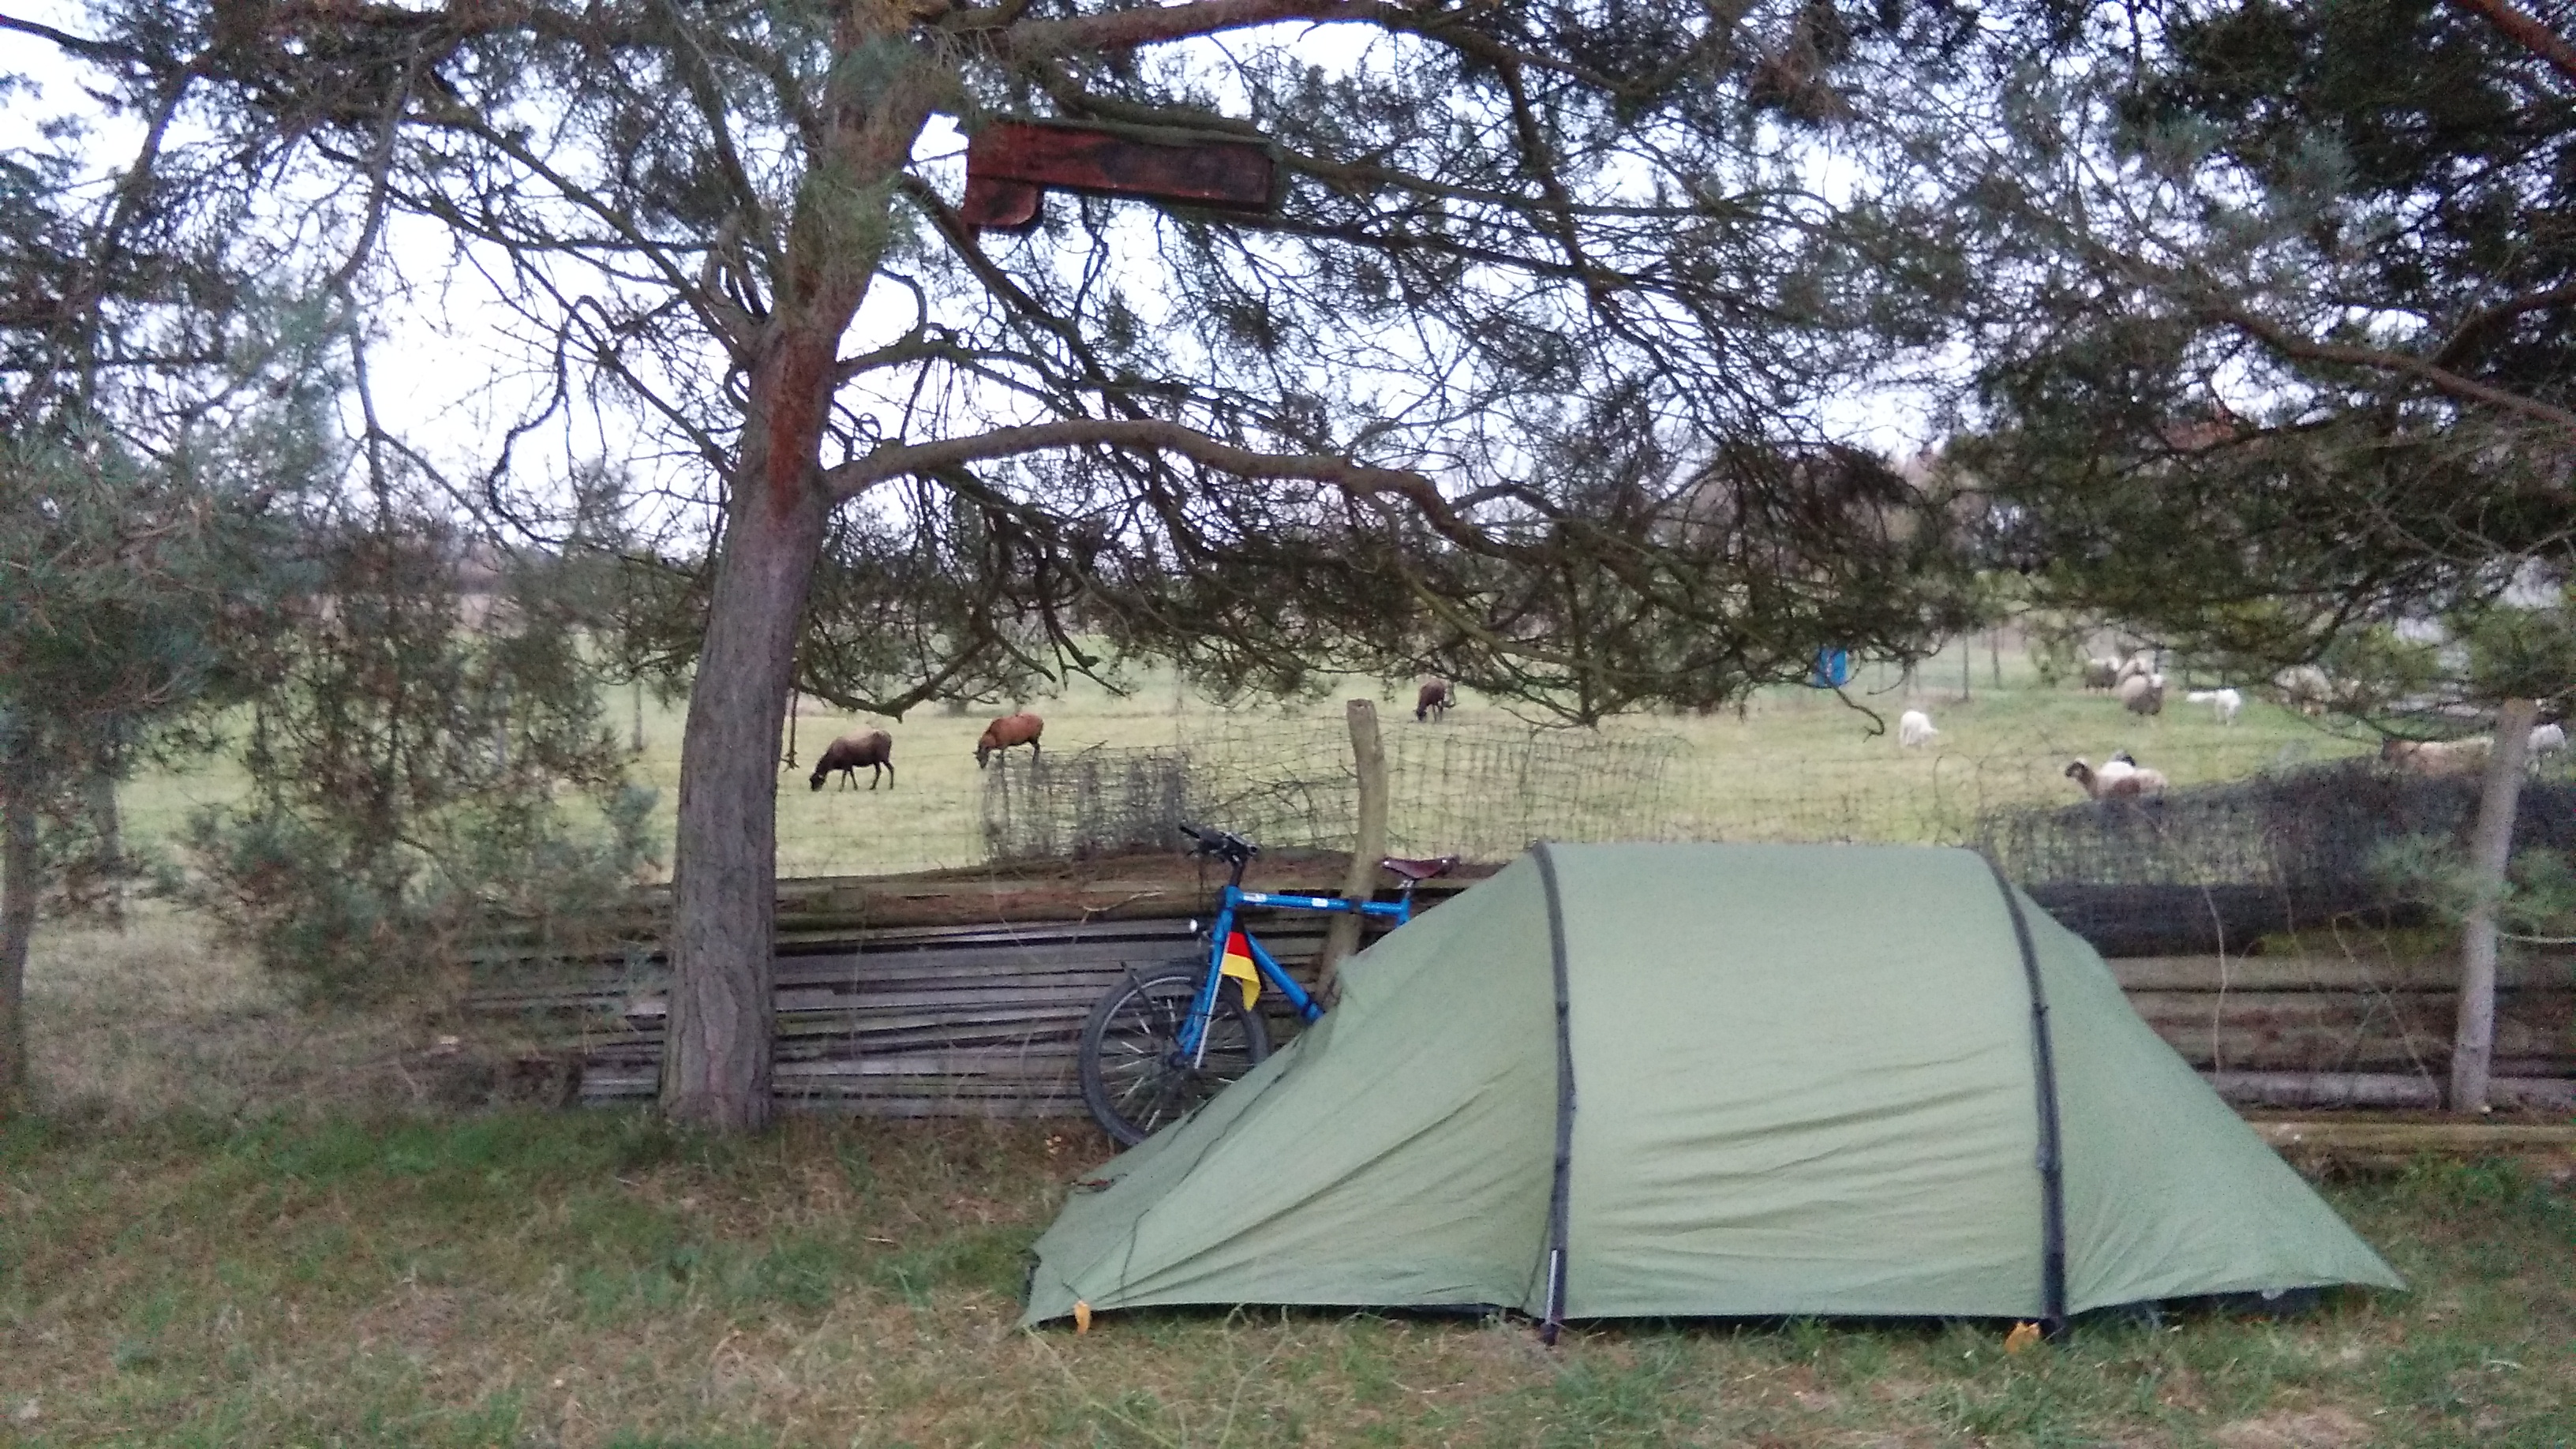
{"type": "Point", "coordinates": [1435, 698]}
{"type": "Point", "coordinates": [2101, 674]}
{"type": "Point", "coordinates": [2227, 701]}
{"type": "Point", "coordinates": [2120, 778]}
{"type": "Point", "coordinates": [1914, 729]}
{"type": "Point", "coordinates": [2548, 739]}
{"type": "Point", "coordinates": [2435, 759]}
{"type": "Point", "coordinates": [2305, 688]}
{"type": "Point", "coordinates": [1009, 730]}
{"type": "Point", "coordinates": [2142, 694]}
{"type": "Point", "coordinates": [871, 748]}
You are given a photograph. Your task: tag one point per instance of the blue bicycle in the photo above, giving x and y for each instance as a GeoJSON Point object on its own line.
{"type": "Point", "coordinates": [1171, 1036]}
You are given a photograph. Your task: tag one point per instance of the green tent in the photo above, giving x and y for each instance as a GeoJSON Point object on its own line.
{"type": "Point", "coordinates": [1711, 1080]}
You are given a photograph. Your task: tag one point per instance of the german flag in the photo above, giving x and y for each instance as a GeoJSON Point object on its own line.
{"type": "Point", "coordinates": [1238, 965]}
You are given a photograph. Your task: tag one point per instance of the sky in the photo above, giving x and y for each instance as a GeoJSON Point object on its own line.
{"type": "Point", "coordinates": [449, 372]}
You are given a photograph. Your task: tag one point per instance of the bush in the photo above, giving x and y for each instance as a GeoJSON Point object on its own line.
{"type": "Point", "coordinates": [424, 759]}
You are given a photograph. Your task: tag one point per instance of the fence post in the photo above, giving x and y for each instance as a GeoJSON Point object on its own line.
{"type": "Point", "coordinates": [2490, 851]}
{"type": "Point", "coordinates": [1369, 752]}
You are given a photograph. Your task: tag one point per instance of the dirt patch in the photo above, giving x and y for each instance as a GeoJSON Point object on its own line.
{"type": "Point", "coordinates": [2307, 1429]}
{"type": "Point", "coordinates": [416, 1320]}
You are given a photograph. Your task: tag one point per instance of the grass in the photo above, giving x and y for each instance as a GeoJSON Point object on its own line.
{"type": "Point", "coordinates": [237, 1224]}
{"type": "Point", "coordinates": [1794, 765]}
{"type": "Point", "coordinates": [129, 1025]}
{"type": "Point", "coordinates": [599, 1280]}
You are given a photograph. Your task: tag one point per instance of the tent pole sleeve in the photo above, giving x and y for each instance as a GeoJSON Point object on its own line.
{"type": "Point", "coordinates": [1561, 1185]}
{"type": "Point", "coordinates": [2052, 1174]}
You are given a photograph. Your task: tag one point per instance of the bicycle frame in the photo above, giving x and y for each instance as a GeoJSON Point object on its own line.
{"type": "Point", "coordinates": [1193, 1040]}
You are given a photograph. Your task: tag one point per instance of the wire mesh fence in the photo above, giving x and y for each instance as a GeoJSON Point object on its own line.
{"type": "Point", "coordinates": [1479, 790]}
{"type": "Point", "coordinates": [2319, 829]}
{"type": "Point", "coordinates": [2284, 842]}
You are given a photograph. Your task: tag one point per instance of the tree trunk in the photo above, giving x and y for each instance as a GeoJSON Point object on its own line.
{"type": "Point", "coordinates": [716, 1053]}
{"type": "Point", "coordinates": [18, 889]}
{"type": "Point", "coordinates": [716, 1057]}
{"type": "Point", "coordinates": [1368, 751]}
{"type": "Point", "coordinates": [107, 823]}
{"type": "Point", "coordinates": [2490, 848]}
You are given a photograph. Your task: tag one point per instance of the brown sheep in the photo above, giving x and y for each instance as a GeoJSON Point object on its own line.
{"type": "Point", "coordinates": [1009, 730]}
{"type": "Point", "coordinates": [1436, 698]}
{"type": "Point", "coordinates": [871, 748]}
{"type": "Point", "coordinates": [2436, 759]}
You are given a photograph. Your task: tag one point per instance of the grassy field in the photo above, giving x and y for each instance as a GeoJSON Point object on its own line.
{"type": "Point", "coordinates": [241, 1222]}
{"type": "Point", "coordinates": [600, 1281]}
{"type": "Point", "coordinates": [1794, 765]}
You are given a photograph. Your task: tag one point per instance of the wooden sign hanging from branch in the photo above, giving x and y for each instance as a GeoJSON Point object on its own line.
{"type": "Point", "coordinates": [1011, 165]}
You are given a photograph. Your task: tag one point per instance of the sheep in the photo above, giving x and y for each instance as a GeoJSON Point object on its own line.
{"type": "Point", "coordinates": [2134, 781]}
{"type": "Point", "coordinates": [2142, 694]}
{"type": "Point", "coordinates": [1009, 730]}
{"type": "Point", "coordinates": [1435, 698]}
{"type": "Point", "coordinates": [2305, 688]}
{"type": "Point", "coordinates": [2136, 666]}
{"type": "Point", "coordinates": [2435, 759]}
{"type": "Point", "coordinates": [2227, 701]}
{"type": "Point", "coordinates": [2548, 739]}
{"type": "Point", "coordinates": [871, 748]}
{"type": "Point", "coordinates": [2101, 674]}
{"type": "Point", "coordinates": [1914, 729]}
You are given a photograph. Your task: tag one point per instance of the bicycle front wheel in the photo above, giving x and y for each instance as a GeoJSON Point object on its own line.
{"type": "Point", "coordinates": [1134, 1078]}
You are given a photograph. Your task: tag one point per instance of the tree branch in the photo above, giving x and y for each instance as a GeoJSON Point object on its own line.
{"type": "Point", "coordinates": [897, 459]}
{"type": "Point", "coordinates": [2525, 30]}
{"type": "Point", "coordinates": [81, 46]}
{"type": "Point", "coordinates": [2307, 349]}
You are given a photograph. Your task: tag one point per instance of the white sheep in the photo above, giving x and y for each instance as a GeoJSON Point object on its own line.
{"type": "Point", "coordinates": [2142, 694]}
{"type": "Point", "coordinates": [2305, 688]}
{"type": "Point", "coordinates": [2548, 739]}
{"type": "Point", "coordinates": [2119, 778]}
{"type": "Point", "coordinates": [1914, 729]}
{"type": "Point", "coordinates": [2227, 701]}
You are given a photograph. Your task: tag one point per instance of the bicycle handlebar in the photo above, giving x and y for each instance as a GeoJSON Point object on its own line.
{"type": "Point", "coordinates": [1213, 841]}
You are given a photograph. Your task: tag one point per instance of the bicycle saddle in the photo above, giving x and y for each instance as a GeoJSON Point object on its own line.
{"type": "Point", "coordinates": [1420, 869]}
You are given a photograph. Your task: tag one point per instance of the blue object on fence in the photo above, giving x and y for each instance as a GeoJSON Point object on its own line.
{"type": "Point", "coordinates": [1833, 669]}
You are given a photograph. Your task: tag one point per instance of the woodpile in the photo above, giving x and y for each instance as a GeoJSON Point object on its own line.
{"type": "Point", "coordinates": [886, 1005]}
{"type": "Point", "coordinates": [910, 1022]}
{"type": "Point", "coordinates": [964, 993]}
{"type": "Point", "coordinates": [2385, 1144]}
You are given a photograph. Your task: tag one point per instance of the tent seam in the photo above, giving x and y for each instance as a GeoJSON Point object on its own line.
{"type": "Point", "coordinates": [1560, 1190]}
{"type": "Point", "coordinates": [2052, 1159]}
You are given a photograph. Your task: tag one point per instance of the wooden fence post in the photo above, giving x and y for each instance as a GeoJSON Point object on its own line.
{"type": "Point", "coordinates": [1369, 752]}
{"type": "Point", "coordinates": [2490, 851]}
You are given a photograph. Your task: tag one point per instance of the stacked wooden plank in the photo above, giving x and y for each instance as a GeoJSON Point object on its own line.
{"type": "Point", "coordinates": [964, 993]}
{"type": "Point", "coordinates": [903, 1022]}
{"type": "Point", "coordinates": [2354, 1029]}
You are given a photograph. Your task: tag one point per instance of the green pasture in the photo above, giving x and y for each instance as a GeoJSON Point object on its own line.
{"type": "Point", "coordinates": [1793, 764]}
